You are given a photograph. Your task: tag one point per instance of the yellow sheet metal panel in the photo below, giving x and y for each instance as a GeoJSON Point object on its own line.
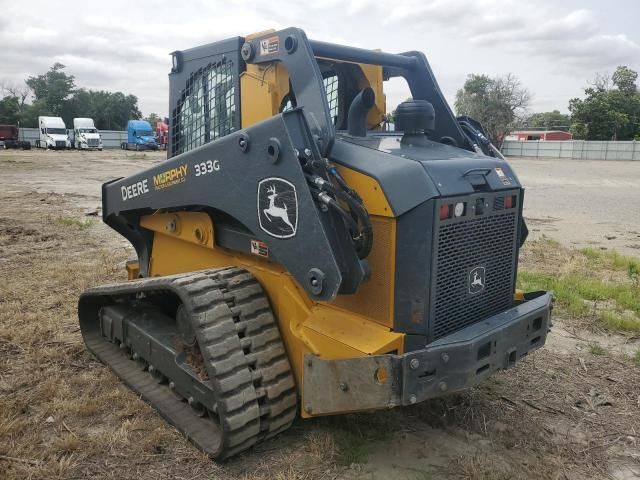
{"type": "Point", "coordinates": [369, 189]}
{"type": "Point", "coordinates": [354, 331]}
{"type": "Point", "coordinates": [375, 298]}
{"type": "Point", "coordinates": [191, 227]}
{"type": "Point", "coordinates": [263, 86]}
{"type": "Point", "coordinates": [251, 36]}
{"type": "Point", "coordinates": [325, 330]}
{"type": "Point", "coordinates": [373, 74]}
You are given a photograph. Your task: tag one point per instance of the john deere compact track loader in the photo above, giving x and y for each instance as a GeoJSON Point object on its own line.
{"type": "Point", "coordinates": [296, 256]}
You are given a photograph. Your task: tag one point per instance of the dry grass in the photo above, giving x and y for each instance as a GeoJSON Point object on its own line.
{"type": "Point", "coordinates": [64, 415]}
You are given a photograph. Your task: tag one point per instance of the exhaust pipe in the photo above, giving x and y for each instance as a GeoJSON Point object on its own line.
{"type": "Point", "coordinates": [360, 106]}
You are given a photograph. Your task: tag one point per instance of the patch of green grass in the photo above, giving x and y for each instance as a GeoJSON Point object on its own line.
{"type": "Point", "coordinates": [351, 447]}
{"type": "Point", "coordinates": [81, 223]}
{"type": "Point", "coordinates": [616, 321]}
{"type": "Point", "coordinates": [549, 242]}
{"type": "Point", "coordinates": [616, 305]}
{"type": "Point", "coordinates": [612, 259]}
{"type": "Point", "coordinates": [596, 349]}
{"type": "Point", "coordinates": [355, 436]}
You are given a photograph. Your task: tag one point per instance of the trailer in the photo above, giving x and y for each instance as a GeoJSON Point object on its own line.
{"type": "Point", "coordinates": [9, 138]}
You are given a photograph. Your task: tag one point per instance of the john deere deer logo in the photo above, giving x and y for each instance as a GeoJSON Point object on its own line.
{"type": "Point", "coordinates": [277, 207]}
{"type": "Point", "coordinates": [476, 280]}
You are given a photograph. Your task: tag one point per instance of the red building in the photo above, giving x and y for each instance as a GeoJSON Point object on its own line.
{"type": "Point", "coordinates": [523, 135]}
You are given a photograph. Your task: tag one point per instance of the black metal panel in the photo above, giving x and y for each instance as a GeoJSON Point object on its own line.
{"type": "Point", "coordinates": [320, 246]}
{"type": "Point", "coordinates": [404, 181]}
{"type": "Point", "coordinates": [467, 357]}
{"type": "Point", "coordinates": [414, 236]}
{"type": "Point", "coordinates": [482, 245]}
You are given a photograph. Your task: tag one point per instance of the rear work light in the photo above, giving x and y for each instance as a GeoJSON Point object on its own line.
{"type": "Point", "coordinates": [445, 211]}
{"type": "Point", "coordinates": [459, 209]}
{"type": "Point", "coordinates": [510, 201]}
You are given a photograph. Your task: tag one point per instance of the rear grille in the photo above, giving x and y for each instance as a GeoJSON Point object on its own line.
{"type": "Point", "coordinates": [485, 242]}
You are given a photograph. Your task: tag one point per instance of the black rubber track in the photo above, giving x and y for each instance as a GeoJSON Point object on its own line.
{"type": "Point", "coordinates": [246, 362]}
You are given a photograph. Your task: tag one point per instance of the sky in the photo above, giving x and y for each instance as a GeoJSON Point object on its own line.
{"type": "Point", "coordinates": [553, 47]}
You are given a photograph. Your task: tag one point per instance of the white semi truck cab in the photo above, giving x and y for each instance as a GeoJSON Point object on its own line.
{"type": "Point", "coordinates": [85, 135]}
{"type": "Point", "coordinates": [53, 133]}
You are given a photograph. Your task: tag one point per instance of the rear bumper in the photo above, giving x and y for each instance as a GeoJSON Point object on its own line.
{"type": "Point", "coordinates": [455, 362]}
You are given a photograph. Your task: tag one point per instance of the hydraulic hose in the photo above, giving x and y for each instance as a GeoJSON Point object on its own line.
{"type": "Point", "coordinates": [330, 202]}
{"type": "Point", "coordinates": [357, 214]}
{"type": "Point", "coordinates": [344, 185]}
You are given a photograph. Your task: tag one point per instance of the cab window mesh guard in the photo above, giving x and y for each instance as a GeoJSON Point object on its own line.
{"type": "Point", "coordinates": [331, 89]}
{"type": "Point", "coordinates": [206, 109]}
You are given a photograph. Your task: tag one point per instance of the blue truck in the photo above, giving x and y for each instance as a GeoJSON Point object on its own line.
{"type": "Point", "coordinates": [140, 136]}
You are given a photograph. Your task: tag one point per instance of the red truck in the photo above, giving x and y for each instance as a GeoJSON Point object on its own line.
{"type": "Point", "coordinates": [162, 134]}
{"type": "Point", "coordinates": [9, 138]}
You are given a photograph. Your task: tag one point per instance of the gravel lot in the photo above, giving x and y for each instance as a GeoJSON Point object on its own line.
{"type": "Point", "coordinates": [583, 202]}
{"type": "Point", "coordinates": [580, 203]}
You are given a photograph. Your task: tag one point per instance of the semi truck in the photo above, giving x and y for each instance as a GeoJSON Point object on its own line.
{"type": "Point", "coordinates": [140, 136]}
{"type": "Point", "coordinates": [53, 134]}
{"type": "Point", "coordinates": [9, 138]}
{"type": "Point", "coordinates": [162, 134]}
{"type": "Point", "coordinates": [85, 134]}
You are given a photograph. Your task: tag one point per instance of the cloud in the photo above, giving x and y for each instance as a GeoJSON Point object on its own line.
{"type": "Point", "coordinates": [574, 40]}
{"type": "Point", "coordinates": [125, 45]}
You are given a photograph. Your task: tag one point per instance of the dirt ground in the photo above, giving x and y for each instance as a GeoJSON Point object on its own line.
{"type": "Point", "coordinates": [568, 411]}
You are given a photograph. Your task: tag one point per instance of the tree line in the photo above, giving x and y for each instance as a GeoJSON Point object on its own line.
{"type": "Point", "coordinates": [56, 94]}
{"type": "Point", "coordinates": [610, 109]}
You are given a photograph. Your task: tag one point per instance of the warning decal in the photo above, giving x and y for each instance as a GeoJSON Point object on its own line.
{"type": "Point", "coordinates": [270, 45]}
{"type": "Point", "coordinates": [502, 176]}
{"type": "Point", "coordinates": [259, 248]}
